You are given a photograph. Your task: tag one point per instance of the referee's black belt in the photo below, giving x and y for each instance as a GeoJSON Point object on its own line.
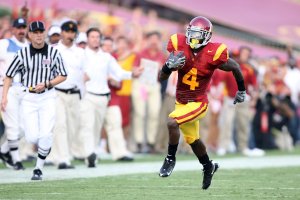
{"type": "Point", "coordinates": [69, 91]}
{"type": "Point", "coordinates": [31, 90]}
{"type": "Point", "coordinates": [105, 94]}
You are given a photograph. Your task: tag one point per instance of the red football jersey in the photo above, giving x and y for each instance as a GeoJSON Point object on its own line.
{"type": "Point", "coordinates": [194, 77]}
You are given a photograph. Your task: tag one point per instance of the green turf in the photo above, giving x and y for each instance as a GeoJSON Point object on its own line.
{"type": "Point", "coordinates": [181, 157]}
{"type": "Point", "coordinates": [272, 183]}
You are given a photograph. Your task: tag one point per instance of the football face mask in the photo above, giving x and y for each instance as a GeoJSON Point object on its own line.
{"type": "Point", "coordinates": [197, 37]}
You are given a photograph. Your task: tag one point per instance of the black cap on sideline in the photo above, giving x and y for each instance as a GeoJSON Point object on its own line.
{"type": "Point", "coordinates": [69, 26]}
{"type": "Point", "coordinates": [20, 22]}
{"type": "Point", "coordinates": [36, 26]}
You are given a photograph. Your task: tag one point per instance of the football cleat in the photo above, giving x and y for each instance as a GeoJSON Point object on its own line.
{"type": "Point", "coordinates": [19, 166]}
{"type": "Point", "coordinates": [37, 175]}
{"type": "Point", "coordinates": [208, 174]}
{"type": "Point", "coordinates": [167, 167]}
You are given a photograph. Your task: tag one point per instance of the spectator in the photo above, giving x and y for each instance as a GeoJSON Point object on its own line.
{"type": "Point", "coordinates": [292, 80]}
{"type": "Point", "coordinates": [146, 95]}
{"type": "Point", "coordinates": [113, 118]}
{"type": "Point", "coordinates": [274, 111]}
{"type": "Point", "coordinates": [125, 58]}
{"type": "Point", "coordinates": [54, 34]}
{"type": "Point", "coordinates": [66, 139]}
{"type": "Point", "coordinates": [11, 116]}
{"type": "Point", "coordinates": [81, 40]}
{"type": "Point", "coordinates": [94, 104]}
{"type": "Point", "coordinates": [238, 116]}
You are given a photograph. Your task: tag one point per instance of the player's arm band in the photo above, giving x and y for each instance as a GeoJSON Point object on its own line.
{"type": "Point", "coordinates": [166, 69]}
{"type": "Point", "coordinates": [241, 85]}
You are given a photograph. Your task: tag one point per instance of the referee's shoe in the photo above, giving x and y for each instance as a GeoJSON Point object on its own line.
{"type": "Point", "coordinates": [37, 175]}
{"type": "Point", "coordinates": [7, 159]}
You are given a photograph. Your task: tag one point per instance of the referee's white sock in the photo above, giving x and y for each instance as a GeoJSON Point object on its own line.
{"type": "Point", "coordinates": [15, 155]}
{"type": "Point", "coordinates": [39, 163]}
{"type": "Point", "coordinates": [14, 150]}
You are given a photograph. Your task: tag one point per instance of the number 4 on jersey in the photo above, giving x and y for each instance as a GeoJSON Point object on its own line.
{"type": "Point", "coordinates": [190, 79]}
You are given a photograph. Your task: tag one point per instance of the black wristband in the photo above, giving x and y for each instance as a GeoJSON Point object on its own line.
{"type": "Point", "coordinates": [241, 85]}
{"type": "Point", "coordinates": [49, 85]}
{"type": "Point", "coordinates": [166, 69]}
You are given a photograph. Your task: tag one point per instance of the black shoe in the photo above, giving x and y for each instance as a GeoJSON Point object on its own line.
{"type": "Point", "coordinates": [125, 159]}
{"type": "Point", "coordinates": [19, 166]}
{"type": "Point", "coordinates": [208, 174]}
{"type": "Point", "coordinates": [65, 166]}
{"type": "Point", "coordinates": [7, 160]}
{"type": "Point", "coordinates": [37, 175]}
{"type": "Point", "coordinates": [92, 160]}
{"type": "Point", "coordinates": [167, 167]}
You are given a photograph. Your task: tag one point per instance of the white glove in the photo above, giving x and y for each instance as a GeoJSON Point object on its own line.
{"type": "Point", "coordinates": [175, 62]}
{"type": "Point", "coordinates": [240, 97]}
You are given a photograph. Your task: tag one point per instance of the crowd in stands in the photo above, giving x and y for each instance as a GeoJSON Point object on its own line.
{"type": "Point", "coordinates": [269, 119]}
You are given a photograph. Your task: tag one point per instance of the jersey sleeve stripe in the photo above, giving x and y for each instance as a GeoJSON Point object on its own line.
{"type": "Point", "coordinates": [174, 40]}
{"type": "Point", "coordinates": [219, 51]}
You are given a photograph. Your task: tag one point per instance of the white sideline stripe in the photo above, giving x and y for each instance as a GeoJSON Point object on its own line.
{"type": "Point", "coordinates": [81, 171]}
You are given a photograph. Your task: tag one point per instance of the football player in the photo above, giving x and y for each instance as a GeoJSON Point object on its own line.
{"type": "Point", "coordinates": [195, 58]}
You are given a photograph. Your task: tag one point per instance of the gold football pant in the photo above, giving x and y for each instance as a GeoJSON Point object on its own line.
{"type": "Point", "coordinates": [188, 116]}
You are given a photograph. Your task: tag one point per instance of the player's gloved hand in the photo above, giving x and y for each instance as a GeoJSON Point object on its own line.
{"type": "Point", "coordinates": [176, 61]}
{"type": "Point", "coordinates": [240, 97]}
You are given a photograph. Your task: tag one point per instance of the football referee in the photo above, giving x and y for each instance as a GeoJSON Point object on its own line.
{"type": "Point", "coordinates": [41, 68]}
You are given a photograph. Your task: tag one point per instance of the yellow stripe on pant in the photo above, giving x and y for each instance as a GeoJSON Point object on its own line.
{"type": "Point", "coordinates": [188, 116]}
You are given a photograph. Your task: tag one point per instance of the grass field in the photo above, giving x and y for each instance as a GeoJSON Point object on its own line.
{"type": "Point", "coordinates": [160, 157]}
{"type": "Point", "coordinates": [273, 183]}
{"type": "Point", "coordinates": [231, 184]}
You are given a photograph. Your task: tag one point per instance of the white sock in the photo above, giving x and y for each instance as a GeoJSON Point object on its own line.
{"type": "Point", "coordinates": [39, 163]}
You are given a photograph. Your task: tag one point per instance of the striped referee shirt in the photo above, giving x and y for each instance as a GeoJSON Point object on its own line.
{"type": "Point", "coordinates": [36, 65]}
